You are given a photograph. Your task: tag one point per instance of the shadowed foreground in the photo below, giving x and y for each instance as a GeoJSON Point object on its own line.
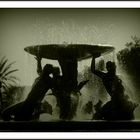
{"type": "Point", "coordinates": [71, 126]}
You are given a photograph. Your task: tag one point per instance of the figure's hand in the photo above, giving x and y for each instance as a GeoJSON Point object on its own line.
{"type": "Point", "coordinates": [96, 55]}
{"type": "Point", "coordinates": [38, 58]}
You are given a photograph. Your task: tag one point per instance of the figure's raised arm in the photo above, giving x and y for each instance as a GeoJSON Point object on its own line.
{"type": "Point", "coordinates": [93, 61]}
{"type": "Point", "coordinates": [93, 64]}
{"type": "Point", "coordinates": [39, 67]}
{"type": "Point", "coordinates": [96, 72]}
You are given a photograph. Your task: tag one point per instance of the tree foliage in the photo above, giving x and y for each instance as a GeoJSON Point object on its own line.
{"type": "Point", "coordinates": [129, 57]}
{"type": "Point", "coordinates": [7, 80]}
{"type": "Point", "coordinates": [6, 77]}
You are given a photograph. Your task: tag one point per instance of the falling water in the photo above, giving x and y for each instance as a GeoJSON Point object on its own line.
{"type": "Point", "coordinates": [70, 32]}
{"type": "Point", "coordinates": [130, 89]}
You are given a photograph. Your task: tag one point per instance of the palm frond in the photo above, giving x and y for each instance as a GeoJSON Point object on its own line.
{"type": "Point", "coordinates": [10, 80]}
{"type": "Point", "coordinates": [5, 86]}
{"type": "Point", "coordinates": [10, 72]}
{"type": "Point", "coordinates": [9, 84]}
{"type": "Point", "coordinates": [7, 80]}
{"type": "Point", "coordinates": [6, 89]}
{"type": "Point", "coordinates": [13, 81]}
{"type": "Point", "coordinates": [3, 63]}
{"type": "Point", "coordinates": [10, 77]}
{"type": "Point", "coordinates": [7, 68]}
{"type": "Point", "coordinates": [14, 77]}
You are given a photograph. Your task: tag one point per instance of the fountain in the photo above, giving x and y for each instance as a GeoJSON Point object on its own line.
{"type": "Point", "coordinates": [68, 56]}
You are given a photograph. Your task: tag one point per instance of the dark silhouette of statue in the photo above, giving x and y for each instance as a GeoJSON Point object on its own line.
{"type": "Point", "coordinates": [88, 107]}
{"type": "Point", "coordinates": [57, 80]}
{"type": "Point", "coordinates": [39, 66]}
{"type": "Point", "coordinates": [69, 72]}
{"type": "Point", "coordinates": [108, 78]}
{"type": "Point", "coordinates": [66, 88]}
{"type": "Point", "coordinates": [97, 107]}
{"type": "Point", "coordinates": [61, 90]}
{"type": "Point", "coordinates": [119, 107]}
{"type": "Point", "coordinates": [25, 110]}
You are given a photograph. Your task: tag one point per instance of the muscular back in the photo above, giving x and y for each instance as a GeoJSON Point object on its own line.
{"type": "Point", "coordinates": [109, 80]}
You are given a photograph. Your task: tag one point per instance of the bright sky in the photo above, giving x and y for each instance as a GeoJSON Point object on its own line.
{"type": "Point", "coordinates": [24, 27]}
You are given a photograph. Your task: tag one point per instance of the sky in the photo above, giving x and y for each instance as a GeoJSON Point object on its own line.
{"type": "Point", "coordinates": [20, 28]}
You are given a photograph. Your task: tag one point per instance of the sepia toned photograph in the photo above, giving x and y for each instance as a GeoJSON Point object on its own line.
{"type": "Point", "coordinates": [68, 69]}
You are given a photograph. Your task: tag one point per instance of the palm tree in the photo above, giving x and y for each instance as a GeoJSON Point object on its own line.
{"type": "Point", "coordinates": [6, 79]}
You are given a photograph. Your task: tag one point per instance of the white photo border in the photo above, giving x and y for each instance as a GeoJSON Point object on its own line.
{"type": "Point", "coordinates": [69, 4]}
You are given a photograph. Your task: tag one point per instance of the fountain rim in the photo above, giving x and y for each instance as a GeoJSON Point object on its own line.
{"type": "Point", "coordinates": [65, 45]}
{"type": "Point", "coordinates": [87, 47]}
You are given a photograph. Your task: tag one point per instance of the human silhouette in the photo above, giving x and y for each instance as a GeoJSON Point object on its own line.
{"type": "Point", "coordinates": [39, 66]}
{"type": "Point", "coordinates": [108, 78]}
{"type": "Point", "coordinates": [69, 72]}
{"type": "Point", "coordinates": [25, 110]}
{"type": "Point", "coordinates": [62, 95]}
{"type": "Point", "coordinates": [98, 107]}
{"type": "Point", "coordinates": [57, 79]}
{"type": "Point", "coordinates": [57, 88]}
{"type": "Point", "coordinates": [119, 107]}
